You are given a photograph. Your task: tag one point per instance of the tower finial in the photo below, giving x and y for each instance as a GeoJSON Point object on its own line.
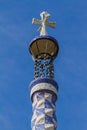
{"type": "Point", "coordinates": [44, 89]}
{"type": "Point", "coordinates": [43, 23]}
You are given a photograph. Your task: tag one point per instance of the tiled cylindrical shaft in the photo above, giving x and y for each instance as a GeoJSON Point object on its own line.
{"type": "Point", "coordinates": [43, 112]}
{"type": "Point", "coordinates": [44, 96]}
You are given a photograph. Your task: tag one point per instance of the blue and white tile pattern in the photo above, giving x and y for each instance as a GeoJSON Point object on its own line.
{"type": "Point", "coordinates": [43, 111]}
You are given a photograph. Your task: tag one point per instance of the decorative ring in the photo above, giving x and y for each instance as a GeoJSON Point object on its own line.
{"type": "Point", "coordinates": [43, 87]}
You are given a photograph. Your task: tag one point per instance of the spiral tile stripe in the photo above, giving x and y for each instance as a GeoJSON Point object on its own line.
{"type": "Point", "coordinates": [44, 111]}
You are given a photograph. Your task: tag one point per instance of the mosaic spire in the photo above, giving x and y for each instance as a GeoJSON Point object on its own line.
{"type": "Point", "coordinates": [43, 89]}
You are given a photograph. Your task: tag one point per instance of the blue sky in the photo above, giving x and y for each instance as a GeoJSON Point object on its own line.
{"type": "Point", "coordinates": [16, 65]}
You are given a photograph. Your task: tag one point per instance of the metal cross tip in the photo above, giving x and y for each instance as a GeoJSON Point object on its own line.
{"type": "Point", "coordinates": [44, 23]}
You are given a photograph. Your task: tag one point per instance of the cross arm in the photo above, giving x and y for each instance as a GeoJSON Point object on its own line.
{"type": "Point", "coordinates": [36, 21]}
{"type": "Point", "coordinates": [51, 24]}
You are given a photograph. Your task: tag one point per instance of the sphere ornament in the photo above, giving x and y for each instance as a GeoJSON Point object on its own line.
{"type": "Point", "coordinates": [44, 50]}
{"type": "Point", "coordinates": [44, 47]}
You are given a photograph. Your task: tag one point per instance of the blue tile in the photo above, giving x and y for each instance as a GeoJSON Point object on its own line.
{"type": "Point", "coordinates": [48, 104]}
{"type": "Point", "coordinates": [48, 120]}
